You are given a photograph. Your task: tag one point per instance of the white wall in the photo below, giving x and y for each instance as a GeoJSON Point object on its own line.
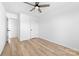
{"type": "Point", "coordinates": [62, 27]}
{"type": "Point", "coordinates": [2, 27]}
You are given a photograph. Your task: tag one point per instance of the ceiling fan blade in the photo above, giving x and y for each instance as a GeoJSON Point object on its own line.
{"type": "Point", "coordinates": [45, 5]}
{"type": "Point", "coordinates": [29, 3]}
{"type": "Point", "coordinates": [32, 9]}
{"type": "Point", "coordinates": [39, 10]}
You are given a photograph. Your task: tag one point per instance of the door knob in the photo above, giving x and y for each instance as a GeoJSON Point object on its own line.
{"type": "Point", "coordinates": [8, 30]}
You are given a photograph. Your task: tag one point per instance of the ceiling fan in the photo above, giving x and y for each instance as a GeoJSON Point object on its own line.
{"type": "Point", "coordinates": [37, 6]}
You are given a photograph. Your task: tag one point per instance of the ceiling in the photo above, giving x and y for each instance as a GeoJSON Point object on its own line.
{"type": "Point", "coordinates": [55, 8]}
{"type": "Point", "coordinates": [20, 7]}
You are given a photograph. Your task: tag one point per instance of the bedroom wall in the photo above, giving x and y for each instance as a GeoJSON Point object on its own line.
{"type": "Point", "coordinates": [2, 27]}
{"type": "Point", "coordinates": [61, 27]}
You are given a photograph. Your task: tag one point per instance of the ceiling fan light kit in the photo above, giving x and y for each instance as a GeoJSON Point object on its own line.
{"type": "Point", "coordinates": [37, 6]}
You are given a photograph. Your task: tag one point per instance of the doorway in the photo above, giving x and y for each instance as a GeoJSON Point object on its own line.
{"type": "Point", "coordinates": [11, 26]}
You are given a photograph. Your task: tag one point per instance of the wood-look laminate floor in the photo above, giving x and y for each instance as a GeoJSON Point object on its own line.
{"type": "Point", "coordinates": [36, 47]}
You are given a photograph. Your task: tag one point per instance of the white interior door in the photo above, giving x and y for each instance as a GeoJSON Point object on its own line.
{"type": "Point", "coordinates": [34, 29]}
{"type": "Point", "coordinates": [24, 27]}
